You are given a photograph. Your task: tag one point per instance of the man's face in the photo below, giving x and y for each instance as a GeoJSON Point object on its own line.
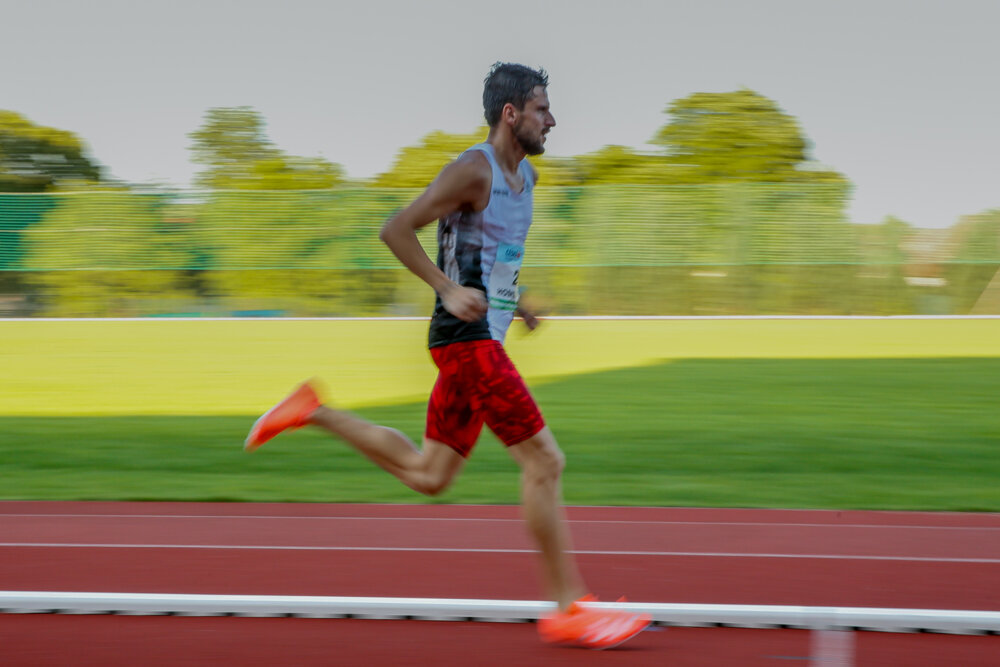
{"type": "Point", "coordinates": [534, 122]}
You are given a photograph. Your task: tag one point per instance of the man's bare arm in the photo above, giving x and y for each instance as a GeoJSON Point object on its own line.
{"type": "Point", "coordinates": [463, 184]}
{"type": "Point", "coordinates": [527, 314]}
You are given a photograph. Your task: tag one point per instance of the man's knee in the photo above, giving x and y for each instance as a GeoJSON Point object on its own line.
{"type": "Point", "coordinates": [540, 458]}
{"type": "Point", "coordinates": [434, 486]}
{"type": "Point", "coordinates": [439, 465]}
{"type": "Point", "coordinates": [554, 460]}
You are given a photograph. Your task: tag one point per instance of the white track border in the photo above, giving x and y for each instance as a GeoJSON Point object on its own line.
{"type": "Point", "coordinates": [511, 611]}
{"type": "Point", "coordinates": [611, 318]}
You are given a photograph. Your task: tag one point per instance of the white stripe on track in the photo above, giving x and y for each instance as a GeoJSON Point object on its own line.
{"type": "Point", "coordinates": [424, 318]}
{"type": "Point", "coordinates": [498, 520]}
{"type": "Point", "coordinates": [702, 554]}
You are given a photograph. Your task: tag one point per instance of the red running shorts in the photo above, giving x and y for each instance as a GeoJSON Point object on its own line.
{"type": "Point", "coordinates": [477, 383]}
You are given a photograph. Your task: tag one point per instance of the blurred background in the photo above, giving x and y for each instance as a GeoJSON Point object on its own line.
{"type": "Point", "coordinates": [194, 189]}
{"type": "Point", "coordinates": [208, 176]}
{"type": "Point", "coordinates": [217, 159]}
{"type": "Point", "coordinates": [678, 231]}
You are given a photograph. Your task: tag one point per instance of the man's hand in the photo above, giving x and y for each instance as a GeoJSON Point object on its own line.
{"type": "Point", "coordinates": [466, 303]}
{"type": "Point", "coordinates": [530, 320]}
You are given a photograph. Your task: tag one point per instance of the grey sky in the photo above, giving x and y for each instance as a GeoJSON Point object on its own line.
{"type": "Point", "coordinates": [899, 95]}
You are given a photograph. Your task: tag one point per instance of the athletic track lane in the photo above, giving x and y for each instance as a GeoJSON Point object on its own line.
{"type": "Point", "coordinates": [885, 559]}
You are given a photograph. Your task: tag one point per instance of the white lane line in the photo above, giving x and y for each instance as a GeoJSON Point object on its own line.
{"type": "Point", "coordinates": [827, 619]}
{"type": "Point", "coordinates": [593, 318]}
{"type": "Point", "coordinates": [496, 520]}
{"type": "Point", "coordinates": [709, 554]}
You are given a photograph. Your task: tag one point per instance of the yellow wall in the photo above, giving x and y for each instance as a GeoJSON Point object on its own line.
{"type": "Point", "coordinates": [225, 367]}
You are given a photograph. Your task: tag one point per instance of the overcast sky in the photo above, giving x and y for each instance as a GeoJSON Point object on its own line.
{"type": "Point", "coordinates": [901, 96]}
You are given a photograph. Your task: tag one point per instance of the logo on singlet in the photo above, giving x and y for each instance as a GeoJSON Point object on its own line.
{"type": "Point", "coordinates": [510, 252]}
{"type": "Point", "coordinates": [501, 193]}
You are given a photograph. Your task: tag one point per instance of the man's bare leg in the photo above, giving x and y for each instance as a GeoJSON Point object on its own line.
{"type": "Point", "coordinates": [428, 471]}
{"type": "Point", "coordinates": [541, 464]}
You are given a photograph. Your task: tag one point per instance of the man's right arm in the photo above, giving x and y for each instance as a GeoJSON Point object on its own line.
{"type": "Point", "coordinates": [463, 184]}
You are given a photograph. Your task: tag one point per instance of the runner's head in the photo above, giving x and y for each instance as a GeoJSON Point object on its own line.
{"type": "Point", "coordinates": [515, 95]}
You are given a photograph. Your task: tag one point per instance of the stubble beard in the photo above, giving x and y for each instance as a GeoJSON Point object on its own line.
{"type": "Point", "coordinates": [529, 144]}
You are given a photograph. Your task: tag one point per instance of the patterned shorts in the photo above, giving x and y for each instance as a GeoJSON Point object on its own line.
{"type": "Point", "coordinates": [477, 383]}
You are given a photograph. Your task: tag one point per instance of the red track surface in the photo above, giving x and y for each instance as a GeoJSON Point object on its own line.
{"type": "Point", "coordinates": [865, 559]}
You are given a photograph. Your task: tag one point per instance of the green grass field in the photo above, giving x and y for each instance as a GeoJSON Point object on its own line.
{"type": "Point", "coordinates": [889, 414]}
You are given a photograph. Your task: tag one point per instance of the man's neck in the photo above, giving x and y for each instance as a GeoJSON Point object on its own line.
{"type": "Point", "coordinates": [507, 149]}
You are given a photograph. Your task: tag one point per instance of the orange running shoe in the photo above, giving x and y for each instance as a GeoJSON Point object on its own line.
{"type": "Point", "coordinates": [591, 628]}
{"type": "Point", "coordinates": [289, 413]}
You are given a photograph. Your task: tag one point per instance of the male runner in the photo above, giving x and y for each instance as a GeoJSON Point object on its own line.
{"type": "Point", "coordinates": [483, 201]}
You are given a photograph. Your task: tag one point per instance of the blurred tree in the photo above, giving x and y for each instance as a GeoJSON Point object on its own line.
{"type": "Point", "coordinates": [884, 278]}
{"type": "Point", "coordinates": [301, 253]}
{"type": "Point", "coordinates": [621, 164]}
{"type": "Point", "coordinates": [973, 272]}
{"type": "Point", "coordinates": [557, 171]}
{"type": "Point", "coordinates": [416, 166]}
{"type": "Point", "coordinates": [238, 156]}
{"type": "Point", "coordinates": [780, 218]}
{"type": "Point", "coordinates": [260, 250]}
{"type": "Point", "coordinates": [34, 158]}
{"type": "Point", "coordinates": [288, 172]}
{"type": "Point", "coordinates": [108, 253]}
{"type": "Point", "coordinates": [736, 136]}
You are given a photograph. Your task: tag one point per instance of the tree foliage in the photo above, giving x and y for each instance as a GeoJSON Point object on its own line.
{"type": "Point", "coordinates": [416, 166]}
{"type": "Point", "coordinates": [974, 274]}
{"type": "Point", "coordinates": [727, 214]}
{"type": "Point", "coordinates": [106, 253]}
{"type": "Point", "coordinates": [621, 164]}
{"type": "Point", "coordinates": [35, 158]}
{"type": "Point", "coordinates": [306, 253]}
{"type": "Point", "coordinates": [735, 136]}
{"type": "Point", "coordinates": [710, 138]}
{"type": "Point", "coordinates": [237, 155]}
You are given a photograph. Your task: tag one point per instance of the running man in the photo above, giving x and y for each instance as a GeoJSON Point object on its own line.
{"type": "Point", "coordinates": [483, 202]}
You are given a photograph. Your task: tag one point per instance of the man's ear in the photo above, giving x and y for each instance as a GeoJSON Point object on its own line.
{"type": "Point", "coordinates": [509, 114]}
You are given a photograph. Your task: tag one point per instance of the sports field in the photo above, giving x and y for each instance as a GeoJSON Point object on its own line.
{"type": "Point", "coordinates": [880, 413]}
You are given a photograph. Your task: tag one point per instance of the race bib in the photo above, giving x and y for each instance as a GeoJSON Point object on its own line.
{"type": "Point", "coordinates": [502, 290]}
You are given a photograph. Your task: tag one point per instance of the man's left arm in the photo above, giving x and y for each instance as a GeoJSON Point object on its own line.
{"type": "Point", "coordinates": [527, 313]}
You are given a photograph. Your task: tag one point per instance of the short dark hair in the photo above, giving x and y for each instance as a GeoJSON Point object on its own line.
{"type": "Point", "coordinates": [508, 82]}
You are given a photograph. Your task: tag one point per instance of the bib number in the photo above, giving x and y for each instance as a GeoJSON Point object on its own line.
{"type": "Point", "coordinates": [502, 290]}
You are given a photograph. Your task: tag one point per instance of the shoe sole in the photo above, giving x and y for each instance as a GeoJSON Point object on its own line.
{"type": "Point", "coordinates": [584, 644]}
{"type": "Point", "coordinates": [251, 443]}
{"type": "Point", "coordinates": [622, 640]}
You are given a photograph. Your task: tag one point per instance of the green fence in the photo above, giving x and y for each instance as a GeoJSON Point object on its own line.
{"type": "Point", "coordinates": [628, 250]}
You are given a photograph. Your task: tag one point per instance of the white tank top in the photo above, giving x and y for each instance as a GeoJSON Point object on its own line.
{"type": "Point", "coordinates": [484, 250]}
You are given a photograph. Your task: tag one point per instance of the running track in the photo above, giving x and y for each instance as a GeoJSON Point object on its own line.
{"type": "Point", "coordinates": [814, 558]}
